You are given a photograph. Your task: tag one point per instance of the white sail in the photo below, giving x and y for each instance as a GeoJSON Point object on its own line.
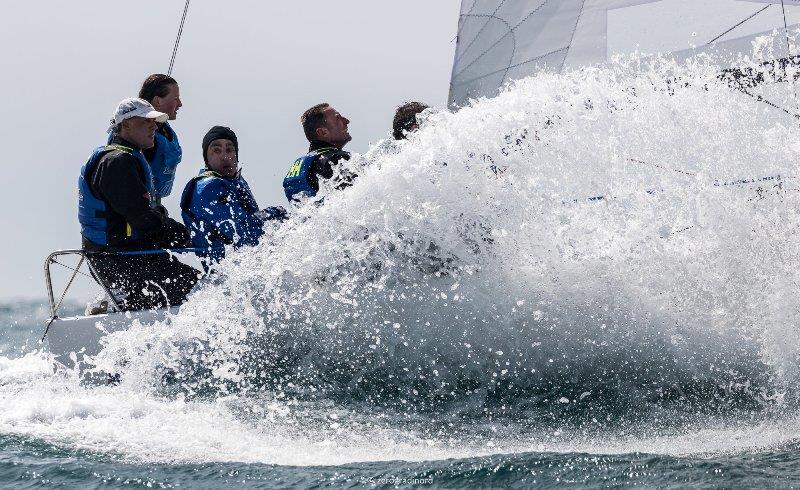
{"type": "Point", "coordinates": [503, 40]}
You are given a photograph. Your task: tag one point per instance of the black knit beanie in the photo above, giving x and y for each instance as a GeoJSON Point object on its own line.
{"type": "Point", "coordinates": [219, 133]}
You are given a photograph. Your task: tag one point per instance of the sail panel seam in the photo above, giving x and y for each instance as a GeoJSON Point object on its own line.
{"type": "Point", "coordinates": [508, 27]}
{"type": "Point", "coordinates": [510, 31]}
{"type": "Point", "coordinates": [478, 34]}
{"type": "Point", "coordinates": [511, 67]}
{"type": "Point", "coordinates": [572, 37]}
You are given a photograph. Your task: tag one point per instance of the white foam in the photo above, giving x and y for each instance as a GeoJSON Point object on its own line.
{"type": "Point", "coordinates": [141, 428]}
{"type": "Point", "coordinates": [689, 279]}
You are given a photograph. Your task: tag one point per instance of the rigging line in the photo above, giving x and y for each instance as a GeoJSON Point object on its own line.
{"type": "Point", "coordinates": [73, 270]}
{"type": "Point", "coordinates": [762, 99]}
{"type": "Point", "coordinates": [178, 39]}
{"type": "Point", "coordinates": [684, 172]}
{"type": "Point", "coordinates": [788, 50]}
{"type": "Point", "coordinates": [786, 30]}
{"type": "Point", "coordinates": [740, 23]}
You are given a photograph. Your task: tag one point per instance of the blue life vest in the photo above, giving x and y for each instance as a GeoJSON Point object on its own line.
{"type": "Point", "coordinates": [168, 154]}
{"type": "Point", "coordinates": [297, 184]}
{"type": "Point", "coordinates": [207, 238]}
{"type": "Point", "coordinates": [166, 159]}
{"type": "Point", "coordinates": [92, 211]}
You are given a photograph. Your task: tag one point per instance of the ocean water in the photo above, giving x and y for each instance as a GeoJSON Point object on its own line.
{"type": "Point", "coordinates": [589, 280]}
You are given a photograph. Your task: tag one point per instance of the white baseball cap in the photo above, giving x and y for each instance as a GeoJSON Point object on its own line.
{"type": "Point", "coordinates": [133, 107]}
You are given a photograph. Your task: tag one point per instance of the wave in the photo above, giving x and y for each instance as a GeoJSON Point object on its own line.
{"type": "Point", "coordinates": [605, 241]}
{"type": "Point", "coordinates": [600, 259]}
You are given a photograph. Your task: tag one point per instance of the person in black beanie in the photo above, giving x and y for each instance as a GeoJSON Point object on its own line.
{"type": "Point", "coordinates": [217, 206]}
{"type": "Point", "coordinates": [219, 133]}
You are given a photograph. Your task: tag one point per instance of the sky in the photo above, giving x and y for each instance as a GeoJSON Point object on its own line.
{"type": "Point", "coordinates": [252, 65]}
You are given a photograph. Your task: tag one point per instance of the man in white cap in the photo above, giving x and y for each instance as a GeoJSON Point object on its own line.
{"type": "Point", "coordinates": [163, 93]}
{"type": "Point", "coordinates": [118, 215]}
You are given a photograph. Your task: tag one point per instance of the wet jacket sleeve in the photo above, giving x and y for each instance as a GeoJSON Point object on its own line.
{"type": "Point", "coordinates": [119, 181]}
{"type": "Point", "coordinates": [216, 205]}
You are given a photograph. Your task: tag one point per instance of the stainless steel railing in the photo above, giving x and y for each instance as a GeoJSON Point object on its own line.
{"type": "Point", "coordinates": [51, 259]}
{"type": "Point", "coordinates": [54, 306]}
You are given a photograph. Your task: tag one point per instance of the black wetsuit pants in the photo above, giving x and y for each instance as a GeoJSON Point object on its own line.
{"type": "Point", "coordinates": [143, 282]}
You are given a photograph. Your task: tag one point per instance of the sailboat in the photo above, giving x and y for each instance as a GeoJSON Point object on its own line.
{"type": "Point", "coordinates": [500, 41]}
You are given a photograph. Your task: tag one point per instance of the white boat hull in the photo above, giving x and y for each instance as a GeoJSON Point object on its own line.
{"type": "Point", "coordinates": [72, 339]}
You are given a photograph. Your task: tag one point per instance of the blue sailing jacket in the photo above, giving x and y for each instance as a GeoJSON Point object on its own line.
{"type": "Point", "coordinates": [302, 180]}
{"type": "Point", "coordinates": [163, 163]}
{"type": "Point", "coordinates": [296, 184]}
{"type": "Point", "coordinates": [220, 211]}
{"type": "Point", "coordinates": [92, 211]}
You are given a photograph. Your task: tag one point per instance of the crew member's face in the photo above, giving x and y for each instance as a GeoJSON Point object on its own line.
{"type": "Point", "coordinates": [335, 130]}
{"type": "Point", "coordinates": [222, 157]}
{"type": "Point", "coordinates": [170, 103]}
{"type": "Point", "coordinates": [139, 131]}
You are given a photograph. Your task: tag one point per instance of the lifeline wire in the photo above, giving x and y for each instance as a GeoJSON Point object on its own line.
{"type": "Point", "coordinates": [70, 268]}
{"type": "Point", "coordinates": [75, 272]}
{"type": "Point", "coordinates": [178, 39]}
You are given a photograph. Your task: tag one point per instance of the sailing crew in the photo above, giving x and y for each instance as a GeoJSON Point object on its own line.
{"type": "Point", "coordinates": [163, 93]}
{"type": "Point", "coordinates": [405, 119]}
{"type": "Point", "coordinates": [120, 219]}
{"type": "Point", "coordinates": [326, 131]}
{"type": "Point", "coordinates": [217, 205]}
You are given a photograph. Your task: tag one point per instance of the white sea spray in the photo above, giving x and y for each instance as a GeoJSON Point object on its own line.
{"type": "Point", "coordinates": [583, 250]}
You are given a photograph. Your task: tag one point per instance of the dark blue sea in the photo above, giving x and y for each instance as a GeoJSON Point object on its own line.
{"type": "Point", "coordinates": [56, 431]}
